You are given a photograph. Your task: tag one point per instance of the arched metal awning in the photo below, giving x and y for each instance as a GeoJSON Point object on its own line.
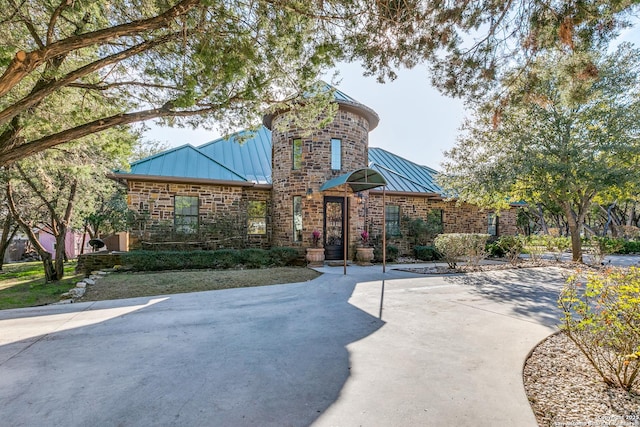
{"type": "Point", "coordinates": [358, 180]}
{"type": "Point", "coordinates": [361, 180]}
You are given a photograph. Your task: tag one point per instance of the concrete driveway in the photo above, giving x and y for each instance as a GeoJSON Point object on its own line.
{"type": "Point", "coordinates": [365, 349]}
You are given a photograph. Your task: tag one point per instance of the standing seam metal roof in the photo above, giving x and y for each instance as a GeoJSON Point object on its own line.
{"type": "Point", "coordinates": [185, 161]}
{"type": "Point", "coordinates": [247, 152]}
{"type": "Point", "coordinates": [408, 174]}
{"type": "Point", "coordinates": [246, 156]}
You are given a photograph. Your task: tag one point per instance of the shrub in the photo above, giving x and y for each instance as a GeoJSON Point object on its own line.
{"type": "Point", "coordinates": [224, 258]}
{"type": "Point", "coordinates": [452, 246]}
{"type": "Point", "coordinates": [602, 317]}
{"type": "Point", "coordinates": [603, 246]}
{"type": "Point", "coordinates": [495, 250]}
{"type": "Point", "coordinates": [558, 245]}
{"type": "Point", "coordinates": [535, 246]}
{"type": "Point", "coordinates": [254, 258]}
{"type": "Point", "coordinates": [630, 247]}
{"type": "Point", "coordinates": [392, 253]}
{"type": "Point", "coordinates": [426, 253]}
{"type": "Point", "coordinates": [282, 256]}
{"type": "Point", "coordinates": [219, 260]}
{"type": "Point", "coordinates": [512, 247]}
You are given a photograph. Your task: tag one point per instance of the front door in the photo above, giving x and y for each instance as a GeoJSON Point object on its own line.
{"type": "Point", "coordinates": [334, 236]}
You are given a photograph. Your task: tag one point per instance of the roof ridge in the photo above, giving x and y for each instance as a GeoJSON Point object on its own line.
{"type": "Point", "coordinates": [191, 147]}
{"type": "Point", "coordinates": [162, 153]}
{"type": "Point", "coordinates": [221, 164]}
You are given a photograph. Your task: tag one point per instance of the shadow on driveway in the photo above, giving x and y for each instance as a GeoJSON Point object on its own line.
{"type": "Point", "coordinates": [258, 356]}
{"type": "Point", "coordinates": [532, 293]}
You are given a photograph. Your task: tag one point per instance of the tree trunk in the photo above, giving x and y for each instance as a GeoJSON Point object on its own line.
{"type": "Point", "coordinates": [574, 231]}
{"type": "Point", "coordinates": [543, 224]}
{"type": "Point", "coordinates": [8, 233]}
{"type": "Point", "coordinates": [632, 215]}
{"type": "Point", "coordinates": [47, 262]}
{"type": "Point", "coordinates": [49, 271]}
{"type": "Point", "coordinates": [60, 253]}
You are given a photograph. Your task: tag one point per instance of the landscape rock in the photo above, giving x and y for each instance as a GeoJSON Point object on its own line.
{"type": "Point", "coordinates": [89, 281]}
{"type": "Point", "coordinates": [76, 292]}
{"type": "Point", "coordinates": [81, 285]}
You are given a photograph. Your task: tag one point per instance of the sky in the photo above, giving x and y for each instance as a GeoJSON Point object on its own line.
{"type": "Point", "coordinates": [416, 121]}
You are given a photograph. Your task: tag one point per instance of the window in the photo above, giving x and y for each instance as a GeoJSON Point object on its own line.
{"type": "Point", "coordinates": [257, 217]}
{"type": "Point", "coordinates": [297, 218]}
{"type": "Point", "coordinates": [336, 154]}
{"type": "Point", "coordinates": [297, 154]}
{"type": "Point", "coordinates": [392, 214]}
{"type": "Point", "coordinates": [492, 229]}
{"type": "Point", "coordinates": [185, 214]}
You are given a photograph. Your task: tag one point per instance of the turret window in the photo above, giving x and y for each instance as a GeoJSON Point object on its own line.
{"type": "Point", "coordinates": [297, 218]}
{"type": "Point", "coordinates": [336, 154]}
{"type": "Point", "coordinates": [297, 154]}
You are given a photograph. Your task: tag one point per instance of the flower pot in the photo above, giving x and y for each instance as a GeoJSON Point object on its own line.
{"type": "Point", "coordinates": [364, 256]}
{"type": "Point", "coordinates": [315, 257]}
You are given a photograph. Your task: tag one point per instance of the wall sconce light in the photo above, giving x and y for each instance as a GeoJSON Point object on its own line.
{"type": "Point", "coordinates": [309, 194]}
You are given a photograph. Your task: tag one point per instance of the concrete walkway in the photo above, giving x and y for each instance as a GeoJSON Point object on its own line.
{"type": "Point", "coordinates": [366, 349]}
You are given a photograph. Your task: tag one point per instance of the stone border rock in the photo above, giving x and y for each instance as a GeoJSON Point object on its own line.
{"type": "Point", "coordinates": [78, 292]}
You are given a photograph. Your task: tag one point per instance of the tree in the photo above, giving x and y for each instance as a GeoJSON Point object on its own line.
{"type": "Point", "coordinates": [9, 229]}
{"type": "Point", "coordinates": [203, 63]}
{"type": "Point", "coordinates": [46, 190]}
{"type": "Point", "coordinates": [561, 140]}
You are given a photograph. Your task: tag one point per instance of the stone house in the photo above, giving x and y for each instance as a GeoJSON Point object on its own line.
{"type": "Point", "coordinates": [275, 188]}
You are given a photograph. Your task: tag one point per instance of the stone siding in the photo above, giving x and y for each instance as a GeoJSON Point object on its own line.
{"type": "Point", "coordinates": [457, 217]}
{"type": "Point", "coordinates": [315, 170]}
{"type": "Point", "coordinates": [222, 209]}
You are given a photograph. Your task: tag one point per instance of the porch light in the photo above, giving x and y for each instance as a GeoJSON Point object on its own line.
{"type": "Point", "coordinates": [309, 194]}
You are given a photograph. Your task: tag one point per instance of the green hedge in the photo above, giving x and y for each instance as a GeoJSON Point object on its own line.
{"type": "Point", "coordinates": [426, 253]}
{"type": "Point", "coordinates": [217, 260]}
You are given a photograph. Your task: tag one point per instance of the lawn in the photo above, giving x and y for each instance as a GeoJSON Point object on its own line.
{"type": "Point", "coordinates": [23, 285]}
{"type": "Point", "coordinates": [131, 285]}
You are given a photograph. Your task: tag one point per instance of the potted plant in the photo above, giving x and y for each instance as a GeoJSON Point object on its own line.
{"type": "Point", "coordinates": [364, 253]}
{"type": "Point", "coordinates": [315, 254]}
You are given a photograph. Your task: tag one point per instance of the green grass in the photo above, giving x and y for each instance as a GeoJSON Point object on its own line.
{"type": "Point", "coordinates": [23, 285]}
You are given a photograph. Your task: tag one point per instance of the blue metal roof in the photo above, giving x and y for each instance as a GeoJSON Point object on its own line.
{"type": "Point", "coordinates": [402, 174]}
{"type": "Point", "coordinates": [246, 152]}
{"type": "Point", "coordinates": [184, 162]}
{"type": "Point", "coordinates": [240, 159]}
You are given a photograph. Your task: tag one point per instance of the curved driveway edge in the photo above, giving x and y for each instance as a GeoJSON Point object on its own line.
{"type": "Point", "coordinates": [363, 349]}
{"type": "Point", "coordinates": [451, 351]}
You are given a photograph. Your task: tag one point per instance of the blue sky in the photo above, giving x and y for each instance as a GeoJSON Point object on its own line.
{"type": "Point", "coordinates": [416, 121]}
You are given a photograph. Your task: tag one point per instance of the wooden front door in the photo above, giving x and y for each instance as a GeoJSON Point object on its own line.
{"type": "Point", "coordinates": [334, 233]}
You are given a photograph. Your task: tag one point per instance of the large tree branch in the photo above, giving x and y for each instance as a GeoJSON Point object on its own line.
{"type": "Point", "coordinates": [36, 96]}
{"type": "Point", "coordinates": [12, 154]}
{"type": "Point", "coordinates": [70, 200]}
{"type": "Point", "coordinates": [26, 227]}
{"type": "Point", "coordinates": [54, 18]}
{"type": "Point", "coordinates": [24, 63]}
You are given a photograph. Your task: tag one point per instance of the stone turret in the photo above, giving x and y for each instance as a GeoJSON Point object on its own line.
{"type": "Point", "coordinates": [301, 164]}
